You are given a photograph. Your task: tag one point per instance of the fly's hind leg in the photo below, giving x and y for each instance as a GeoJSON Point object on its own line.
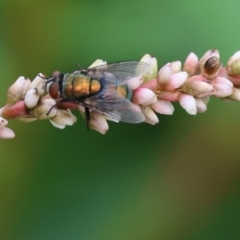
{"type": "Point", "coordinates": [87, 117]}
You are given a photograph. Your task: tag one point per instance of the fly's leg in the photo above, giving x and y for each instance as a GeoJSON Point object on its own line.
{"type": "Point", "coordinates": [87, 117]}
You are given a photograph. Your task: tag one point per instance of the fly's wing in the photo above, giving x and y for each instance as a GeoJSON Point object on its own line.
{"type": "Point", "coordinates": [115, 106]}
{"type": "Point", "coordinates": [119, 73]}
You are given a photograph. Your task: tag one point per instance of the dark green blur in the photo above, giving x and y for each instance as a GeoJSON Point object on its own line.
{"type": "Point", "coordinates": [178, 180]}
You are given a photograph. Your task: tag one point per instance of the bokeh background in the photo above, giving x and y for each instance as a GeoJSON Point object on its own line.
{"type": "Point", "coordinates": [176, 180]}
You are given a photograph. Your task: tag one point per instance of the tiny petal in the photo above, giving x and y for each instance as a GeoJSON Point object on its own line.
{"type": "Point", "coordinates": [31, 99]}
{"type": "Point", "coordinates": [222, 90]}
{"type": "Point", "coordinates": [176, 80]}
{"type": "Point", "coordinates": [98, 122]}
{"type": "Point", "coordinates": [234, 68]}
{"type": "Point", "coordinates": [201, 106]}
{"type": "Point", "coordinates": [188, 103]}
{"type": "Point", "coordinates": [27, 120]}
{"type": "Point", "coordinates": [205, 100]}
{"type": "Point", "coordinates": [57, 125]}
{"type": "Point", "coordinates": [150, 115]}
{"type": "Point", "coordinates": [235, 95]}
{"type": "Point", "coordinates": [233, 58]}
{"type": "Point", "coordinates": [191, 64]}
{"type": "Point", "coordinates": [222, 80]}
{"type": "Point", "coordinates": [176, 66]}
{"type": "Point", "coordinates": [18, 90]}
{"type": "Point", "coordinates": [163, 107]}
{"type": "Point", "coordinates": [6, 133]}
{"type": "Point", "coordinates": [144, 96]}
{"type": "Point", "coordinates": [198, 88]}
{"type": "Point", "coordinates": [3, 122]}
{"type": "Point", "coordinates": [45, 109]}
{"type": "Point", "coordinates": [135, 82]}
{"type": "Point", "coordinates": [164, 75]}
{"type": "Point", "coordinates": [64, 117]}
{"type": "Point", "coordinates": [153, 67]}
{"type": "Point", "coordinates": [97, 63]}
{"type": "Point", "coordinates": [38, 83]}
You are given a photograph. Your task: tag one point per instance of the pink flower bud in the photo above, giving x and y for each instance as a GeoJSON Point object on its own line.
{"type": "Point", "coordinates": [222, 90]}
{"type": "Point", "coordinates": [191, 64]}
{"type": "Point", "coordinates": [64, 117]}
{"type": "Point", "coordinates": [31, 98]}
{"type": "Point", "coordinates": [222, 80]}
{"type": "Point", "coordinates": [57, 125]}
{"type": "Point", "coordinates": [235, 95]}
{"type": "Point", "coordinates": [98, 122]}
{"type": "Point", "coordinates": [163, 107]}
{"type": "Point", "coordinates": [6, 133]}
{"type": "Point", "coordinates": [150, 116]}
{"type": "Point", "coordinates": [38, 83]}
{"type": "Point", "coordinates": [176, 66]}
{"type": "Point", "coordinates": [234, 68]}
{"type": "Point", "coordinates": [176, 80]}
{"type": "Point", "coordinates": [135, 82]}
{"type": "Point", "coordinates": [198, 88]}
{"type": "Point", "coordinates": [144, 96]}
{"type": "Point", "coordinates": [188, 103]}
{"type": "Point", "coordinates": [201, 107]}
{"type": "Point", "coordinates": [18, 90]}
{"type": "Point", "coordinates": [153, 67]}
{"type": "Point", "coordinates": [164, 75]}
{"type": "Point", "coordinates": [45, 109]}
{"type": "Point", "coordinates": [3, 122]}
{"type": "Point", "coordinates": [233, 58]}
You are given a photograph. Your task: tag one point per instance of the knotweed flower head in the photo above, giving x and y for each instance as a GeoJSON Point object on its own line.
{"type": "Point", "coordinates": [144, 93]}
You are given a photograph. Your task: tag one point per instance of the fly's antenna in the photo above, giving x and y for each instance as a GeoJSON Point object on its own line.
{"type": "Point", "coordinates": [87, 117]}
{"type": "Point", "coordinates": [79, 66]}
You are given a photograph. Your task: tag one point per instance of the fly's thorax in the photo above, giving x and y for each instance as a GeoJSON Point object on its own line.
{"type": "Point", "coordinates": [79, 85]}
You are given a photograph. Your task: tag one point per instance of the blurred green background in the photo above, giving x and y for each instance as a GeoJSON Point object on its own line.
{"type": "Point", "coordinates": [176, 180]}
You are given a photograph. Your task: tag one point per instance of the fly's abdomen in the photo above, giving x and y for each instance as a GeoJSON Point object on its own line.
{"type": "Point", "coordinates": [124, 91]}
{"type": "Point", "coordinates": [78, 85]}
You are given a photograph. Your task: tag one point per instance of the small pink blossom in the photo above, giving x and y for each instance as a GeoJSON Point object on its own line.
{"type": "Point", "coordinates": [222, 90]}
{"type": "Point", "coordinates": [163, 107]}
{"type": "Point", "coordinates": [198, 88]}
{"type": "Point", "coordinates": [188, 102]}
{"type": "Point", "coordinates": [201, 106]}
{"type": "Point", "coordinates": [176, 80]}
{"type": "Point", "coordinates": [17, 90]}
{"type": "Point", "coordinates": [31, 98]}
{"type": "Point", "coordinates": [98, 122]}
{"type": "Point", "coordinates": [5, 132]}
{"type": "Point", "coordinates": [191, 64]}
{"type": "Point", "coordinates": [144, 96]}
{"type": "Point", "coordinates": [164, 75]}
{"type": "Point", "coordinates": [135, 82]}
{"type": "Point", "coordinates": [153, 67]}
{"type": "Point", "coordinates": [150, 115]}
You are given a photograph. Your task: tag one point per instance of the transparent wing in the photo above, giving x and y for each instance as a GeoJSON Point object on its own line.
{"type": "Point", "coordinates": [116, 107]}
{"type": "Point", "coordinates": [119, 73]}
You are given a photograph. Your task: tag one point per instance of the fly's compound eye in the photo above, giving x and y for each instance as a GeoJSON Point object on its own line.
{"type": "Point", "coordinates": [53, 90]}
